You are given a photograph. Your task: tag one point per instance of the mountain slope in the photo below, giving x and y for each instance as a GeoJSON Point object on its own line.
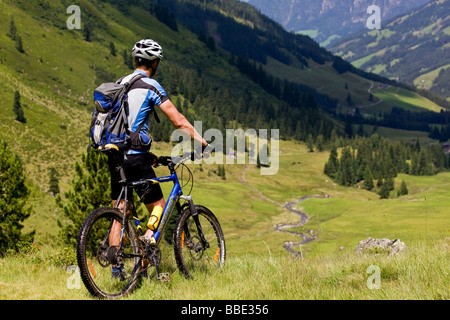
{"type": "Point", "coordinates": [252, 74]}
{"type": "Point", "coordinates": [58, 68]}
{"type": "Point", "coordinates": [325, 20]}
{"type": "Point", "coordinates": [413, 48]}
{"type": "Point", "coordinates": [295, 86]}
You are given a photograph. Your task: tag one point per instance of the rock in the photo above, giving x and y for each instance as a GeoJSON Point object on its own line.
{"type": "Point", "coordinates": [391, 247]}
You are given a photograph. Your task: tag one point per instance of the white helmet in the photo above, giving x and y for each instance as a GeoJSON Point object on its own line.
{"type": "Point", "coordinates": [147, 49]}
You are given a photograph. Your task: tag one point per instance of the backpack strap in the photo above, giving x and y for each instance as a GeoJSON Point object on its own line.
{"type": "Point", "coordinates": [128, 86]}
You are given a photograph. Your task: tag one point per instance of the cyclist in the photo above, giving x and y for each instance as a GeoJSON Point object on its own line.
{"type": "Point", "coordinates": [144, 95]}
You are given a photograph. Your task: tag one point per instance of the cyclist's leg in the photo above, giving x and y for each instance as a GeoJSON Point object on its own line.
{"type": "Point", "coordinates": [140, 167]}
{"type": "Point", "coordinates": [116, 189]}
{"type": "Point", "coordinates": [114, 235]}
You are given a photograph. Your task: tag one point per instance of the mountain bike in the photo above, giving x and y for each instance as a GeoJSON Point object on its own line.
{"type": "Point", "coordinates": [198, 240]}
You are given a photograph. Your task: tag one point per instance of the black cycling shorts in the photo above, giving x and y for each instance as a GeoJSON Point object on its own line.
{"type": "Point", "coordinates": [136, 167]}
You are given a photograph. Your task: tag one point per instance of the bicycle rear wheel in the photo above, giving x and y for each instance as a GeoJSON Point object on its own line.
{"type": "Point", "coordinates": [199, 243]}
{"type": "Point", "coordinates": [106, 271]}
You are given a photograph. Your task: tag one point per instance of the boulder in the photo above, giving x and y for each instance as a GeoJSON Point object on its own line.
{"type": "Point", "coordinates": [391, 247]}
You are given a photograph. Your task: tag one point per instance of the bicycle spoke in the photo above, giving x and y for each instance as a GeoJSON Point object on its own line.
{"type": "Point", "coordinates": [199, 249]}
{"type": "Point", "coordinates": [108, 268]}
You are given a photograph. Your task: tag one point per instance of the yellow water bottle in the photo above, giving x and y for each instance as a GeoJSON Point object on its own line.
{"type": "Point", "coordinates": [155, 216]}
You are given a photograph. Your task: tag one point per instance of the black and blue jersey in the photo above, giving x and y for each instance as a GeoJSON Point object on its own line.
{"type": "Point", "coordinates": [144, 95]}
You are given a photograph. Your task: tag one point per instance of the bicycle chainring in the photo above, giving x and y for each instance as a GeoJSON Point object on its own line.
{"type": "Point", "coordinates": [153, 253]}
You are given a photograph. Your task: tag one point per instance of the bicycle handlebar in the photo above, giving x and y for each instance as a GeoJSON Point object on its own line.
{"type": "Point", "coordinates": [166, 160]}
{"type": "Point", "coordinates": [162, 160]}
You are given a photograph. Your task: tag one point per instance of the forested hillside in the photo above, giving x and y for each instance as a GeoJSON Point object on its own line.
{"type": "Point", "coordinates": [412, 48]}
{"type": "Point", "coordinates": [328, 20]}
{"type": "Point", "coordinates": [228, 67]}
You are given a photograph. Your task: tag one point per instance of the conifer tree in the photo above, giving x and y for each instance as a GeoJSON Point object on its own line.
{"type": "Point", "coordinates": [12, 29]}
{"type": "Point", "coordinates": [53, 181]}
{"type": "Point", "coordinates": [17, 108]}
{"type": "Point", "coordinates": [384, 191]}
{"type": "Point", "coordinates": [332, 165]}
{"type": "Point", "coordinates": [91, 189]}
{"type": "Point", "coordinates": [112, 48]}
{"type": "Point", "coordinates": [346, 168]}
{"type": "Point", "coordinates": [19, 44]}
{"type": "Point", "coordinates": [13, 198]}
{"type": "Point", "coordinates": [368, 179]}
{"type": "Point", "coordinates": [403, 188]}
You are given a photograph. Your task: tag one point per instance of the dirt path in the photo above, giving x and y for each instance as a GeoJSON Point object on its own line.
{"type": "Point", "coordinates": [370, 91]}
{"type": "Point", "coordinates": [283, 227]}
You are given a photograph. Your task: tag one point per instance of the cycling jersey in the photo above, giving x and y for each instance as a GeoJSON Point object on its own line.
{"type": "Point", "coordinates": [144, 95]}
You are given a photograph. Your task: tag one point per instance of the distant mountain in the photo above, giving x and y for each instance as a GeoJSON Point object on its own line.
{"type": "Point", "coordinates": [412, 48]}
{"type": "Point", "coordinates": [325, 20]}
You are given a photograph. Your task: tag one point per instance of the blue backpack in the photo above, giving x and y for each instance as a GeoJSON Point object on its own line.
{"type": "Point", "coordinates": [109, 123]}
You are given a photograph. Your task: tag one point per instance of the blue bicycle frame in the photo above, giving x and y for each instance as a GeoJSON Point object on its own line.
{"type": "Point", "coordinates": [175, 194]}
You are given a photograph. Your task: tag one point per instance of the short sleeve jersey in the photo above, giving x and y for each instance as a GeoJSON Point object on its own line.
{"type": "Point", "coordinates": [144, 96]}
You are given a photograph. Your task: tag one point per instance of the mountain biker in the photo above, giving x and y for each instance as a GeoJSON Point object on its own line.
{"type": "Point", "coordinates": [144, 95]}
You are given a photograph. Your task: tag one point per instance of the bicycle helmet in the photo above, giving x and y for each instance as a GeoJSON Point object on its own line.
{"type": "Point", "coordinates": [147, 49]}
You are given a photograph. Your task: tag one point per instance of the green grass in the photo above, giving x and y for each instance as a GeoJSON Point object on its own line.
{"type": "Point", "coordinates": [56, 104]}
{"type": "Point", "coordinates": [426, 80]}
{"type": "Point", "coordinates": [399, 134]}
{"type": "Point", "coordinates": [421, 273]}
{"type": "Point", "coordinates": [258, 267]}
{"type": "Point", "coordinates": [401, 98]}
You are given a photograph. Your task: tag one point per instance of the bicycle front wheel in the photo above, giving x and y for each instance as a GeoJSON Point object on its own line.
{"type": "Point", "coordinates": [199, 243]}
{"type": "Point", "coordinates": [107, 270]}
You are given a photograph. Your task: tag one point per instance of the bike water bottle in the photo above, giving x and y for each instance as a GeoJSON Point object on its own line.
{"type": "Point", "coordinates": [155, 216]}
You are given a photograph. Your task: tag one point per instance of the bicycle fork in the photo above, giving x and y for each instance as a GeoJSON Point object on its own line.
{"type": "Point", "coordinates": [194, 212]}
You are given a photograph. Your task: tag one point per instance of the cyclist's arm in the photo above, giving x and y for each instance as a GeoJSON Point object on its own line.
{"type": "Point", "coordinates": [180, 122]}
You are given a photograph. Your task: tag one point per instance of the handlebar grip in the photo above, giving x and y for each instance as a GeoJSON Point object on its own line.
{"type": "Point", "coordinates": [163, 160]}
{"type": "Point", "coordinates": [166, 160]}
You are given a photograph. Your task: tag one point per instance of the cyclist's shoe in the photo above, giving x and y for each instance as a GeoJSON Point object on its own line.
{"type": "Point", "coordinates": [147, 240]}
{"type": "Point", "coordinates": [119, 273]}
{"type": "Point", "coordinates": [144, 272]}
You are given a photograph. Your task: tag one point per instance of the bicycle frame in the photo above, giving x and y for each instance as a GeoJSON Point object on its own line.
{"type": "Point", "coordinates": [174, 196]}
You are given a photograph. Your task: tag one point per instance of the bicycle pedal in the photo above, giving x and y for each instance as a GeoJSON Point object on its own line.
{"type": "Point", "coordinates": [164, 277]}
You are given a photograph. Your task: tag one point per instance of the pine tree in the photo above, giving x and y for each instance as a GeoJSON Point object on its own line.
{"type": "Point", "coordinates": [310, 143]}
{"type": "Point", "coordinates": [53, 181]}
{"type": "Point", "coordinates": [403, 189]}
{"type": "Point", "coordinates": [320, 143]}
{"type": "Point", "coordinates": [368, 179]}
{"type": "Point", "coordinates": [19, 45]}
{"type": "Point", "coordinates": [88, 31]}
{"type": "Point", "coordinates": [90, 190]}
{"type": "Point", "coordinates": [346, 168]}
{"type": "Point", "coordinates": [332, 165]}
{"type": "Point", "coordinates": [384, 191]}
{"type": "Point", "coordinates": [13, 198]}
{"type": "Point", "coordinates": [12, 29]}
{"type": "Point", "coordinates": [112, 48]}
{"type": "Point", "coordinates": [17, 108]}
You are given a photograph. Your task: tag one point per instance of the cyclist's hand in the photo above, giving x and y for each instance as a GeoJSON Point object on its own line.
{"type": "Point", "coordinates": [207, 150]}
{"type": "Point", "coordinates": [204, 151]}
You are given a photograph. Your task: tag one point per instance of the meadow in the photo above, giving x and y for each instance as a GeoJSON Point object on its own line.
{"type": "Point", "coordinates": [258, 267]}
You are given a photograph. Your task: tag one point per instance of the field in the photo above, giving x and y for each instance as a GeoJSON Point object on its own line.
{"type": "Point", "coordinates": [258, 267]}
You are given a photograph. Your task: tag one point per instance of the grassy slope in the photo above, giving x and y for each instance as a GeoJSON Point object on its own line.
{"type": "Point", "coordinates": [259, 268]}
{"type": "Point", "coordinates": [55, 111]}
{"type": "Point", "coordinates": [419, 27]}
{"type": "Point", "coordinates": [326, 80]}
